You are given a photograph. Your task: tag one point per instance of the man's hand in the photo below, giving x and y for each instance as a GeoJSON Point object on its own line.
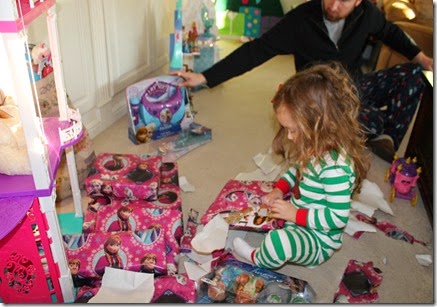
{"type": "Point", "coordinates": [192, 79]}
{"type": "Point", "coordinates": [426, 62]}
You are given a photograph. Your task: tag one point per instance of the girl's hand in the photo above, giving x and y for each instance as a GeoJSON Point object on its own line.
{"type": "Point", "coordinates": [282, 209]}
{"type": "Point", "coordinates": [272, 196]}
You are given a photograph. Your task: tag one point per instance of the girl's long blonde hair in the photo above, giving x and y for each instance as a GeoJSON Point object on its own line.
{"type": "Point", "coordinates": [324, 103]}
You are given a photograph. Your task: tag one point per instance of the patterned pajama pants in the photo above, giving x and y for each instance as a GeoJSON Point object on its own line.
{"type": "Point", "coordinates": [389, 100]}
{"type": "Point", "coordinates": [294, 244]}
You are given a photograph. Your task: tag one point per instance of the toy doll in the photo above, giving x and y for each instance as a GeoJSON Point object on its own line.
{"type": "Point", "coordinates": [247, 288]}
{"type": "Point", "coordinates": [217, 289]}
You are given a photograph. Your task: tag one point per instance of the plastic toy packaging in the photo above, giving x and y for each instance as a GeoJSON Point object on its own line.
{"type": "Point", "coordinates": [158, 108]}
{"type": "Point", "coordinates": [233, 281]}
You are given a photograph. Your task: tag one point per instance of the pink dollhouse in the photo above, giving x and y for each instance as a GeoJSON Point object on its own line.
{"type": "Point", "coordinates": [33, 264]}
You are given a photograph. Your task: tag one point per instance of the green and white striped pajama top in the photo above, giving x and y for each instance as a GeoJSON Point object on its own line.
{"type": "Point", "coordinates": [324, 205]}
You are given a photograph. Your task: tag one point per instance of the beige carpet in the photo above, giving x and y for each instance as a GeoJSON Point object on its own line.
{"type": "Point", "coordinates": [240, 116]}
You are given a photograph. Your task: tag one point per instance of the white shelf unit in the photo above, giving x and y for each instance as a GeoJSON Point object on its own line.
{"type": "Point", "coordinates": [46, 138]}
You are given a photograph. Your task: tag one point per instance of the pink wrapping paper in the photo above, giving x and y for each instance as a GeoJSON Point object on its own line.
{"type": "Point", "coordinates": [240, 204]}
{"type": "Point", "coordinates": [126, 176]}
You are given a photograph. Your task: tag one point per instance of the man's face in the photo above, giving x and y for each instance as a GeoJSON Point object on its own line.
{"type": "Point", "coordinates": [336, 10]}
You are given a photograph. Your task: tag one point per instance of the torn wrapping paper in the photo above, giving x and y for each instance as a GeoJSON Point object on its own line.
{"type": "Point", "coordinates": [189, 231]}
{"type": "Point", "coordinates": [359, 284]}
{"type": "Point", "coordinates": [174, 289]}
{"type": "Point", "coordinates": [372, 196]}
{"type": "Point", "coordinates": [240, 205]}
{"type": "Point", "coordinates": [389, 229]}
{"type": "Point", "coordinates": [120, 286]}
{"type": "Point", "coordinates": [212, 237]}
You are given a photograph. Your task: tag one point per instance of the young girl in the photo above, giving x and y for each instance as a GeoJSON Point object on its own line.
{"type": "Point", "coordinates": [320, 134]}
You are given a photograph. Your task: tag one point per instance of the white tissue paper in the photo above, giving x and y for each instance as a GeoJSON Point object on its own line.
{"type": "Point", "coordinates": [372, 196]}
{"type": "Point", "coordinates": [425, 260]}
{"type": "Point", "coordinates": [121, 286]}
{"type": "Point", "coordinates": [354, 225]}
{"type": "Point", "coordinates": [212, 237]}
{"type": "Point", "coordinates": [185, 185]}
{"type": "Point", "coordinates": [265, 163]}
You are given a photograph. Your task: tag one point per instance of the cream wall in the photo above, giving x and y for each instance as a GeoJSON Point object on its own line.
{"type": "Point", "coordinates": [107, 45]}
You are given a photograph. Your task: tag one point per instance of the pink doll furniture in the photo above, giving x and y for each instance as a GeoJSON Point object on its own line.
{"type": "Point", "coordinates": [28, 271]}
{"type": "Point", "coordinates": [403, 175]}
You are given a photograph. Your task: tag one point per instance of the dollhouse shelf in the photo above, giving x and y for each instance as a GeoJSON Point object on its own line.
{"type": "Point", "coordinates": [23, 185]}
{"type": "Point", "coordinates": [11, 217]}
{"type": "Point", "coordinates": [25, 15]}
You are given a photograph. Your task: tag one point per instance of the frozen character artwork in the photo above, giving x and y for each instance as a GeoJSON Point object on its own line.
{"type": "Point", "coordinates": [93, 205]}
{"type": "Point", "coordinates": [153, 192]}
{"type": "Point", "coordinates": [262, 215]}
{"type": "Point", "coordinates": [254, 200]}
{"type": "Point", "coordinates": [148, 265]}
{"type": "Point", "coordinates": [140, 174]}
{"type": "Point", "coordinates": [129, 195]}
{"type": "Point", "coordinates": [115, 164]}
{"type": "Point", "coordinates": [267, 186]}
{"type": "Point", "coordinates": [165, 115]}
{"type": "Point", "coordinates": [96, 186]}
{"type": "Point", "coordinates": [78, 280]}
{"type": "Point", "coordinates": [111, 256]}
{"type": "Point", "coordinates": [145, 133]}
{"type": "Point", "coordinates": [122, 223]}
{"type": "Point", "coordinates": [150, 235]}
{"type": "Point", "coordinates": [141, 135]}
{"type": "Point", "coordinates": [107, 194]}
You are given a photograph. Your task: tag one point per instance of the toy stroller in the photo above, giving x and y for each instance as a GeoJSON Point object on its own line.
{"type": "Point", "coordinates": [403, 175]}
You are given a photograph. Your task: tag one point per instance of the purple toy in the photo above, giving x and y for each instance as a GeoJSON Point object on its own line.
{"type": "Point", "coordinates": [403, 175]}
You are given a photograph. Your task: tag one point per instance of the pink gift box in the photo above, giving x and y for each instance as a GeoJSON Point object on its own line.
{"type": "Point", "coordinates": [240, 204]}
{"type": "Point", "coordinates": [137, 217]}
{"type": "Point", "coordinates": [124, 250]}
{"type": "Point", "coordinates": [124, 176]}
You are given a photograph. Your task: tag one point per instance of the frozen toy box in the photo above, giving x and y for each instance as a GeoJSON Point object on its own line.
{"type": "Point", "coordinates": [157, 108]}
